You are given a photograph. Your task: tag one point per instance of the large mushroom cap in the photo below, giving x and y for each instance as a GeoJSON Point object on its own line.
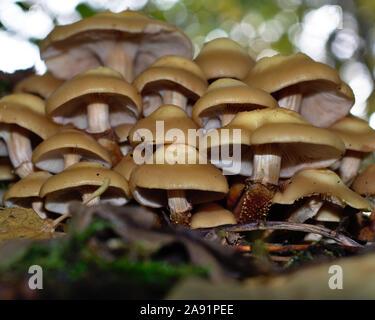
{"type": "Point", "coordinates": [67, 104]}
{"type": "Point", "coordinates": [364, 184]}
{"type": "Point", "coordinates": [41, 86]}
{"type": "Point", "coordinates": [356, 134]}
{"type": "Point", "coordinates": [325, 97]}
{"type": "Point", "coordinates": [210, 215]}
{"type": "Point", "coordinates": [323, 182]}
{"type": "Point", "coordinates": [229, 96]}
{"type": "Point", "coordinates": [173, 119]}
{"type": "Point", "coordinates": [69, 185]}
{"type": "Point", "coordinates": [72, 49]}
{"type": "Point", "coordinates": [201, 182]}
{"type": "Point", "coordinates": [49, 155]}
{"type": "Point", "coordinates": [224, 58]}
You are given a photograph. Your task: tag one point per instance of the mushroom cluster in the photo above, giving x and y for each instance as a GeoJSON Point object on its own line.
{"type": "Point", "coordinates": [124, 114]}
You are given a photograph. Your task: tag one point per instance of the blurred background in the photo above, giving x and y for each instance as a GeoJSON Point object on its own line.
{"type": "Point", "coordinates": [340, 33]}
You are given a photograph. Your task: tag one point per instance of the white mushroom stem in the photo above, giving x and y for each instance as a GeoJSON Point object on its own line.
{"type": "Point", "coordinates": [38, 207]}
{"type": "Point", "coordinates": [308, 210]}
{"type": "Point", "coordinates": [20, 152]}
{"type": "Point", "coordinates": [349, 167]}
{"type": "Point", "coordinates": [176, 98]}
{"type": "Point", "coordinates": [290, 99]}
{"type": "Point", "coordinates": [70, 159]}
{"type": "Point", "coordinates": [179, 206]}
{"type": "Point", "coordinates": [97, 117]}
{"type": "Point", "coordinates": [120, 59]}
{"type": "Point", "coordinates": [266, 165]}
{"type": "Point", "coordinates": [151, 102]}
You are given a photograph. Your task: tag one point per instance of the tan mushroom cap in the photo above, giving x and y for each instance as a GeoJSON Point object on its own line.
{"type": "Point", "coordinates": [356, 134]}
{"type": "Point", "coordinates": [323, 182]}
{"type": "Point", "coordinates": [49, 155]}
{"type": "Point", "coordinates": [126, 166]}
{"type": "Point", "coordinates": [233, 94]}
{"type": "Point", "coordinates": [22, 192]}
{"type": "Point", "coordinates": [173, 73]}
{"type": "Point", "coordinates": [122, 132]}
{"type": "Point", "coordinates": [6, 170]}
{"type": "Point", "coordinates": [174, 120]}
{"type": "Point", "coordinates": [41, 86]}
{"type": "Point", "coordinates": [364, 184]}
{"type": "Point", "coordinates": [72, 49]}
{"type": "Point", "coordinates": [12, 113]}
{"type": "Point", "coordinates": [326, 98]}
{"type": "Point", "coordinates": [67, 104]}
{"type": "Point", "coordinates": [201, 182]}
{"type": "Point", "coordinates": [68, 185]}
{"type": "Point", "coordinates": [211, 215]}
{"type": "Point", "coordinates": [224, 58]}
{"type": "Point", "coordinates": [26, 100]}
{"type": "Point", "coordinates": [329, 213]}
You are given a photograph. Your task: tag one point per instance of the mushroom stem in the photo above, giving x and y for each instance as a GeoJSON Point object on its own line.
{"type": "Point", "coordinates": [90, 199]}
{"type": "Point", "coordinates": [176, 98]}
{"type": "Point", "coordinates": [349, 166]}
{"type": "Point", "coordinates": [179, 207]}
{"type": "Point", "coordinates": [37, 206]}
{"type": "Point", "coordinates": [151, 102]}
{"type": "Point", "coordinates": [226, 118]}
{"type": "Point", "coordinates": [20, 152]}
{"type": "Point", "coordinates": [70, 159]}
{"type": "Point", "coordinates": [266, 165]}
{"type": "Point", "coordinates": [308, 210]}
{"type": "Point", "coordinates": [119, 59]}
{"type": "Point", "coordinates": [97, 117]}
{"type": "Point", "coordinates": [290, 99]}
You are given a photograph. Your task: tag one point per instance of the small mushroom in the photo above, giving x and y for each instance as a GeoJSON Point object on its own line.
{"type": "Point", "coordinates": [359, 139]}
{"type": "Point", "coordinates": [25, 193]}
{"type": "Point", "coordinates": [21, 115]}
{"type": "Point", "coordinates": [176, 80]}
{"type": "Point", "coordinates": [122, 133]}
{"type": "Point", "coordinates": [210, 215]}
{"type": "Point", "coordinates": [41, 86]}
{"type": "Point", "coordinates": [364, 184]}
{"type": "Point", "coordinates": [311, 88]}
{"type": "Point", "coordinates": [127, 42]}
{"type": "Point", "coordinates": [226, 97]}
{"type": "Point", "coordinates": [66, 148]}
{"type": "Point", "coordinates": [224, 58]}
{"type": "Point", "coordinates": [177, 179]}
{"type": "Point", "coordinates": [81, 182]}
{"type": "Point", "coordinates": [318, 187]}
{"type": "Point", "coordinates": [126, 166]}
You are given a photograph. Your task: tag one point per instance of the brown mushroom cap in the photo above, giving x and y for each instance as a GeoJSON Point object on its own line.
{"type": "Point", "coordinates": [173, 73]}
{"type": "Point", "coordinates": [75, 48]}
{"type": "Point", "coordinates": [224, 58]}
{"type": "Point", "coordinates": [126, 166]}
{"type": "Point", "coordinates": [41, 86]}
{"type": "Point", "coordinates": [210, 215]}
{"type": "Point", "coordinates": [49, 155]}
{"type": "Point", "coordinates": [201, 182]}
{"type": "Point", "coordinates": [323, 182]}
{"type": "Point", "coordinates": [229, 96]}
{"type": "Point", "coordinates": [68, 185]}
{"type": "Point", "coordinates": [326, 98]}
{"type": "Point", "coordinates": [172, 117]}
{"type": "Point", "coordinates": [67, 104]}
{"type": "Point", "coordinates": [356, 134]}
{"type": "Point", "coordinates": [6, 170]}
{"type": "Point", "coordinates": [364, 184]}
{"type": "Point", "coordinates": [25, 100]}
{"type": "Point", "coordinates": [329, 213]}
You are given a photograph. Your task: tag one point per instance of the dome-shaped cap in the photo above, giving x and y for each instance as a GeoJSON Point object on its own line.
{"type": "Point", "coordinates": [25, 100]}
{"type": "Point", "coordinates": [224, 58]}
{"type": "Point", "coordinates": [210, 215]}
{"type": "Point", "coordinates": [67, 104]}
{"type": "Point", "coordinates": [86, 44]}
{"type": "Point", "coordinates": [364, 184]}
{"type": "Point", "coordinates": [126, 166]}
{"type": "Point", "coordinates": [49, 155]}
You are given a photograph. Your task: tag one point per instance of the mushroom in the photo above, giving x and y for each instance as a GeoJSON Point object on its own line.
{"type": "Point", "coordinates": [168, 124]}
{"type": "Point", "coordinates": [81, 181]}
{"type": "Point", "coordinates": [311, 88]}
{"type": "Point", "coordinates": [364, 184]}
{"type": "Point", "coordinates": [122, 133]}
{"type": "Point", "coordinates": [41, 86]}
{"type": "Point", "coordinates": [126, 166]}
{"type": "Point", "coordinates": [224, 58]}
{"type": "Point", "coordinates": [66, 148]}
{"type": "Point", "coordinates": [317, 187]}
{"type": "Point", "coordinates": [210, 215]}
{"type": "Point", "coordinates": [128, 42]}
{"type": "Point", "coordinates": [21, 115]}
{"type": "Point", "coordinates": [25, 193]}
{"type": "Point", "coordinates": [176, 178]}
{"type": "Point", "coordinates": [172, 78]}
{"type": "Point", "coordinates": [224, 98]}
{"type": "Point", "coordinates": [359, 139]}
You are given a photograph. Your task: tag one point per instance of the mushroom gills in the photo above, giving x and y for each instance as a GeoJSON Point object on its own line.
{"type": "Point", "coordinates": [290, 98]}
{"type": "Point", "coordinates": [120, 58]}
{"type": "Point", "coordinates": [307, 211]}
{"type": "Point", "coordinates": [179, 207]}
{"type": "Point", "coordinates": [349, 166]}
{"type": "Point", "coordinates": [176, 98]}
